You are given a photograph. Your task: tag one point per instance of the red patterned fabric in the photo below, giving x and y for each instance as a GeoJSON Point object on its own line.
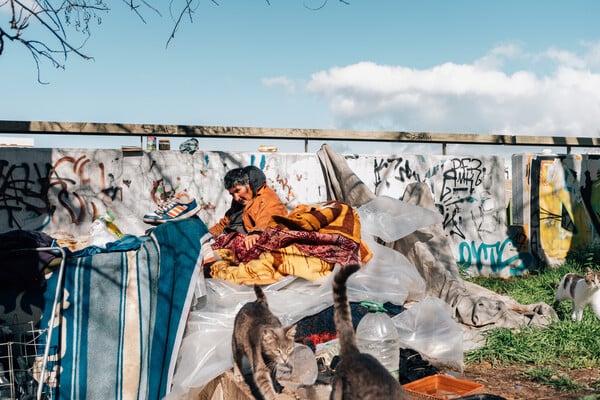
{"type": "Point", "coordinates": [332, 248]}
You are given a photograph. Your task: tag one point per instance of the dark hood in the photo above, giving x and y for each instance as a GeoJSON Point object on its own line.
{"type": "Point", "coordinates": [257, 177]}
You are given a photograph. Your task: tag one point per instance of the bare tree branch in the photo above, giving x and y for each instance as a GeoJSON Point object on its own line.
{"type": "Point", "coordinates": [58, 31]}
{"type": "Point", "coordinates": [20, 19]}
{"type": "Point", "coordinates": [323, 4]}
{"type": "Point", "coordinates": [187, 9]}
{"type": "Point", "coordinates": [134, 7]}
{"type": "Point", "coordinates": [27, 18]}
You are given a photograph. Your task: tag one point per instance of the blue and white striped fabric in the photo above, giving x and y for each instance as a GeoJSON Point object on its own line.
{"type": "Point", "coordinates": [123, 316]}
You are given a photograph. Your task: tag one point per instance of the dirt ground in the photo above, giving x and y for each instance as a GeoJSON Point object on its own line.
{"type": "Point", "coordinates": [512, 383]}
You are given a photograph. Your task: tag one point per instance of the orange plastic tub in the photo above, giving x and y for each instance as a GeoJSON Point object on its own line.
{"type": "Point", "coordinates": [441, 387]}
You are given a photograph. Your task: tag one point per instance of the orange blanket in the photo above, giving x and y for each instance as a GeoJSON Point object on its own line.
{"type": "Point", "coordinates": [306, 243]}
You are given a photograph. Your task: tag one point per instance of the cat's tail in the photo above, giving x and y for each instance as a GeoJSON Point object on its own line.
{"type": "Point", "coordinates": [260, 295]}
{"type": "Point", "coordinates": [342, 314]}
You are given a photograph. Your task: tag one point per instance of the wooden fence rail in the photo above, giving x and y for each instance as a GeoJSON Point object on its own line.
{"type": "Point", "coordinates": [117, 129]}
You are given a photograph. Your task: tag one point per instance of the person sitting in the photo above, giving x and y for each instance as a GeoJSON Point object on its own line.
{"type": "Point", "coordinates": [252, 206]}
{"type": "Point", "coordinates": [306, 243]}
{"type": "Point", "coordinates": [260, 241]}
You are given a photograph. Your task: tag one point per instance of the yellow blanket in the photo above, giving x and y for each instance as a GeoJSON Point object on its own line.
{"type": "Point", "coordinates": [329, 218]}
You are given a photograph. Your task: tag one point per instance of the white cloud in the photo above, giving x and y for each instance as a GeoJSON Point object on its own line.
{"type": "Point", "coordinates": [497, 57]}
{"type": "Point", "coordinates": [592, 56]}
{"type": "Point", "coordinates": [565, 58]}
{"type": "Point", "coordinates": [280, 81]}
{"type": "Point", "coordinates": [470, 98]}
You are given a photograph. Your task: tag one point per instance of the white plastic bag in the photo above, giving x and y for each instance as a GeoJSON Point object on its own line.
{"type": "Point", "coordinates": [99, 234]}
{"type": "Point", "coordinates": [392, 219]}
{"type": "Point", "coordinates": [428, 328]}
{"type": "Point", "coordinates": [388, 276]}
{"type": "Point", "coordinates": [205, 351]}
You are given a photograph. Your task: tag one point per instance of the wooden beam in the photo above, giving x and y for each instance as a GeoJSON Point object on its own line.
{"type": "Point", "coordinates": [118, 129]}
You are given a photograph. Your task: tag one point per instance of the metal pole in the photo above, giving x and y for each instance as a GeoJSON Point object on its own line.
{"type": "Point", "coordinates": [52, 315]}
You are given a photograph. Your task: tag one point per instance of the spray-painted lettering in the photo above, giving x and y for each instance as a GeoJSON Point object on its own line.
{"type": "Point", "coordinates": [495, 255]}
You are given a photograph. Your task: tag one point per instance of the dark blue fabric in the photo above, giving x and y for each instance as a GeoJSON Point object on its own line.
{"type": "Point", "coordinates": [126, 243]}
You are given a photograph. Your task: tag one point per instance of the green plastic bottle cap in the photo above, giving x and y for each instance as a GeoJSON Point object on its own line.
{"type": "Point", "coordinates": [373, 306]}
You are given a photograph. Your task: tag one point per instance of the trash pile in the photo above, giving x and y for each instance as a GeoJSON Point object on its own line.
{"type": "Point", "coordinates": [426, 328]}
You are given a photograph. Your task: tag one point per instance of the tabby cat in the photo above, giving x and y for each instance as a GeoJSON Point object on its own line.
{"type": "Point", "coordinates": [582, 290]}
{"type": "Point", "coordinates": [357, 375]}
{"type": "Point", "coordinates": [259, 335]}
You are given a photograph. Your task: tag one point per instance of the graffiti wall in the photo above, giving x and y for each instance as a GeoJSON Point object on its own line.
{"type": "Point", "coordinates": [66, 190]}
{"type": "Point", "coordinates": [560, 203]}
{"type": "Point", "coordinates": [469, 193]}
{"type": "Point", "coordinates": [60, 191]}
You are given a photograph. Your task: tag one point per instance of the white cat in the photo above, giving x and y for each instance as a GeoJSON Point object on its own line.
{"type": "Point", "coordinates": [582, 290]}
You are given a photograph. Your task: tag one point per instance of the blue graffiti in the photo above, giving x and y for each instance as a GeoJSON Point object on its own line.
{"type": "Point", "coordinates": [492, 254]}
{"type": "Point", "coordinates": [262, 163]}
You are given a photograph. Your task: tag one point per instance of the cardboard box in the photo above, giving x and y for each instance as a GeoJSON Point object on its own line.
{"type": "Point", "coordinates": [224, 387]}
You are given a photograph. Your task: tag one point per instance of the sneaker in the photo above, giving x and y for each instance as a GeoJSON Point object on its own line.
{"type": "Point", "coordinates": [175, 208]}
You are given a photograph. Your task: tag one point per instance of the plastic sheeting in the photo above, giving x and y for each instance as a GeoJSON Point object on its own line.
{"type": "Point", "coordinates": [428, 328]}
{"type": "Point", "coordinates": [206, 348]}
{"type": "Point", "coordinates": [391, 219]}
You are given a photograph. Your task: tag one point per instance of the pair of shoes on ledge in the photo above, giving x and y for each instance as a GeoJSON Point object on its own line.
{"type": "Point", "coordinates": [178, 207]}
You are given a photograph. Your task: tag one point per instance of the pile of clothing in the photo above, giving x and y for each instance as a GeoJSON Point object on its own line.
{"type": "Point", "coordinates": [306, 243]}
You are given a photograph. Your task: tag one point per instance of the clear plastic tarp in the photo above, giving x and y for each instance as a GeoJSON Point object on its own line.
{"type": "Point", "coordinates": [205, 351]}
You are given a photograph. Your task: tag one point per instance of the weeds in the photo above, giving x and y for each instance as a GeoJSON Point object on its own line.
{"type": "Point", "coordinates": [551, 377]}
{"type": "Point", "coordinates": [561, 345]}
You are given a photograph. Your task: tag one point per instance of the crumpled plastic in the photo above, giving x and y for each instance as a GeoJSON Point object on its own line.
{"type": "Point", "coordinates": [205, 351]}
{"type": "Point", "coordinates": [392, 219]}
{"type": "Point", "coordinates": [189, 146]}
{"type": "Point", "coordinates": [428, 328]}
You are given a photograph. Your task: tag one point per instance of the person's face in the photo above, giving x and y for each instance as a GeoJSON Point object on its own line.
{"type": "Point", "coordinates": [241, 194]}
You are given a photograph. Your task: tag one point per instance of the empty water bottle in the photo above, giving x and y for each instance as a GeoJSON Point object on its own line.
{"type": "Point", "coordinates": [304, 370]}
{"type": "Point", "coordinates": [377, 335]}
{"type": "Point", "coordinates": [109, 220]}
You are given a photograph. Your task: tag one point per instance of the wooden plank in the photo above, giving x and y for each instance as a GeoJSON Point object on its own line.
{"type": "Point", "coordinates": [89, 128]}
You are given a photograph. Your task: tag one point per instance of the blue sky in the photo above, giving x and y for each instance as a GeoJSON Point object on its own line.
{"type": "Point", "coordinates": [466, 66]}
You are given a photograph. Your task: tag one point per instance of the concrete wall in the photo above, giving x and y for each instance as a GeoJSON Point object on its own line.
{"type": "Point", "coordinates": [556, 204]}
{"type": "Point", "coordinates": [64, 190]}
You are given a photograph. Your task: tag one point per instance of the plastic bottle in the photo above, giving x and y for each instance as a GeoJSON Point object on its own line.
{"type": "Point", "coordinates": [109, 220]}
{"type": "Point", "coordinates": [377, 335]}
{"type": "Point", "coordinates": [151, 143]}
{"type": "Point", "coordinates": [304, 371]}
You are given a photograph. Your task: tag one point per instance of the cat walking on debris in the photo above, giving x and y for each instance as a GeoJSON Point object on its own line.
{"type": "Point", "coordinates": [582, 290]}
{"type": "Point", "coordinates": [357, 375]}
{"type": "Point", "coordinates": [259, 335]}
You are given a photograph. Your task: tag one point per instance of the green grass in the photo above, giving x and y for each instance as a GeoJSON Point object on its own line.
{"type": "Point", "coordinates": [563, 344]}
{"type": "Point", "coordinates": [550, 376]}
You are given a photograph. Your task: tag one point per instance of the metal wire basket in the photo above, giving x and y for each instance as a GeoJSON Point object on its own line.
{"type": "Point", "coordinates": [28, 360]}
{"type": "Point", "coordinates": [22, 350]}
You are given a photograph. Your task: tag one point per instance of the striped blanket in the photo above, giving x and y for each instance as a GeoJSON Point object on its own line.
{"type": "Point", "coordinates": [123, 316]}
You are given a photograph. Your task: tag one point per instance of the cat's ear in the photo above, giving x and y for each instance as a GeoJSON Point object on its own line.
{"type": "Point", "coordinates": [588, 270]}
{"type": "Point", "coordinates": [291, 332]}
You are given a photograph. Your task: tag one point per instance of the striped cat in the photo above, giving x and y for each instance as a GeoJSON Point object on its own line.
{"type": "Point", "coordinates": [357, 375]}
{"type": "Point", "coordinates": [582, 290]}
{"type": "Point", "coordinates": [259, 335]}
